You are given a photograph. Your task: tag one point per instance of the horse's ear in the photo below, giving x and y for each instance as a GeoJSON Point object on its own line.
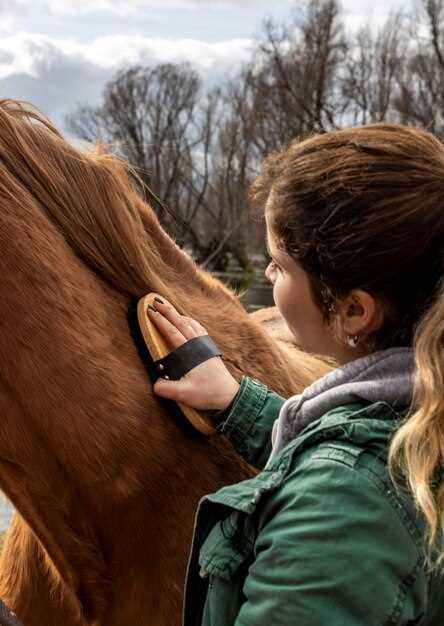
{"type": "Point", "coordinates": [53, 528]}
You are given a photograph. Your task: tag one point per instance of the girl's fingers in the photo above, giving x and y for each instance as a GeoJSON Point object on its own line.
{"type": "Point", "coordinates": [198, 328]}
{"type": "Point", "coordinates": [173, 335]}
{"type": "Point", "coordinates": [185, 325]}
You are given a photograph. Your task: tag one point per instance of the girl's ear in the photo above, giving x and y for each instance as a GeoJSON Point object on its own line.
{"type": "Point", "coordinates": [360, 313]}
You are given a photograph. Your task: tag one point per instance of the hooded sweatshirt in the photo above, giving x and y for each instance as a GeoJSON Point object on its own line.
{"type": "Point", "coordinates": [386, 375]}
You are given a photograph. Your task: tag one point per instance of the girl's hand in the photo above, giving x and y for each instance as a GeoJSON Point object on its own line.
{"type": "Point", "coordinates": [208, 385]}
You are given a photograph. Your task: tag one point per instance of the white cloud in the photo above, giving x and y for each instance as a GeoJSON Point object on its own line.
{"type": "Point", "coordinates": [10, 9]}
{"type": "Point", "coordinates": [56, 75]}
{"type": "Point", "coordinates": [33, 54]}
{"type": "Point", "coordinates": [360, 12]}
{"type": "Point", "coordinates": [121, 7]}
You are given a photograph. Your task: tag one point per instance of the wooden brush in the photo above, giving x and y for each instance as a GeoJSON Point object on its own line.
{"type": "Point", "coordinates": [158, 349]}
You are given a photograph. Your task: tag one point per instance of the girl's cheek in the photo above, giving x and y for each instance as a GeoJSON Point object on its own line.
{"type": "Point", "coordinates": [277, 286]}
{"type": "Point", "coordinates": [279, 300]}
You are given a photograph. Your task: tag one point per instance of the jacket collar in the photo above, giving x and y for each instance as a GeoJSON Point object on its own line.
{"type": "Point", "coordinates": [386, 375]}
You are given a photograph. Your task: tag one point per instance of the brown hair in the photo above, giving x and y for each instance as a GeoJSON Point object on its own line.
{"type": "Point", "coordinates": [363, 208]}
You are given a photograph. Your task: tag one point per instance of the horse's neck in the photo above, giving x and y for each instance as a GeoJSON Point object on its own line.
{"type": "Point", "coordinates": [107, 482]}
{"type": "Point", "coordinates": [248, 348]}
{"type": "Point", "coordinates": [104, 478]}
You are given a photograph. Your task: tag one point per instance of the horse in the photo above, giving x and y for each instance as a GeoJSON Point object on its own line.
{"type": "Point", "coordinates": [104, 479]}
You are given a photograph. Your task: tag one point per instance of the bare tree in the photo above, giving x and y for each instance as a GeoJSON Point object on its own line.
{"type": "Point", "coordinates": [160, 120]}
{"type": "Point", "coordinates": [373, 71]}
{"type": "Point", "coordinates": [289, 88]}
{"type": "Point", "coordinates": [294, 75]}
{"type": "Point", "coordinates": [421, 97]}
{"type": "Point", "coordinates": [148, 115]}
{"type": "Point", "coordinates": [230, 178]}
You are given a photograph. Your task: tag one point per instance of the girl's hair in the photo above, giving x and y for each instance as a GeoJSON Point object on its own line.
{"type": "Point", "coordinates": [364, 208]}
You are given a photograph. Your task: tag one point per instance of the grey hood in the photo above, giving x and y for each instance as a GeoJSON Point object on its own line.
{"type": "Point", "coordinates": [386, 375]}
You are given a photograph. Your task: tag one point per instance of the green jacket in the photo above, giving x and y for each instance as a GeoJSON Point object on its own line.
{"type": "Point", "coordinates": [318, 538]}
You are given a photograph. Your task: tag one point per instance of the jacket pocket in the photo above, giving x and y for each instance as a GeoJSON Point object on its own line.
{"type": "Point", "coordinates": [223, 549]}
{"type": "Point", "coordinates": [231, 539]}
{"type": "Point", "coordinates": [224, 560]}
{"type": "Point", "coordinates": [226, 547]}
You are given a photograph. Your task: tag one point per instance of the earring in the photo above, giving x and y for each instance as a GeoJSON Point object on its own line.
{"type": "Point", "coordinates": [352, 340]}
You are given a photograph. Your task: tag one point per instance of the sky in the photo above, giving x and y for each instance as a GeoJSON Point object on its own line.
{"type": "Point", "coordinates": [60, 53]}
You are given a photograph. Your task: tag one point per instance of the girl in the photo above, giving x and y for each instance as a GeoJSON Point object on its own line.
{"type": "Point", "coordinates": [322, 535]}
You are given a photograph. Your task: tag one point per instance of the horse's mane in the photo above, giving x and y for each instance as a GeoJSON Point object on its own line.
{"type": "Point", "coordinates": [87, 194]}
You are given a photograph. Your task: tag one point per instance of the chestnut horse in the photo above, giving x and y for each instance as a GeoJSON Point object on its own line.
{"type": "Point", "coordinates": [105, 482]}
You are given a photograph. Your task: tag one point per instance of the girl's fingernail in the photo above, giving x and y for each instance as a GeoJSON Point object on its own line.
{"type": "Point", "coordinates": [151, 308]}
{"type": "Point", "coordinates": [156, 299]}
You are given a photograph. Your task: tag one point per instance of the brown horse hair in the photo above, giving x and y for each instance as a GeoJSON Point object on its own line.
{"type": "Point", "coordinates": [107, 213]}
